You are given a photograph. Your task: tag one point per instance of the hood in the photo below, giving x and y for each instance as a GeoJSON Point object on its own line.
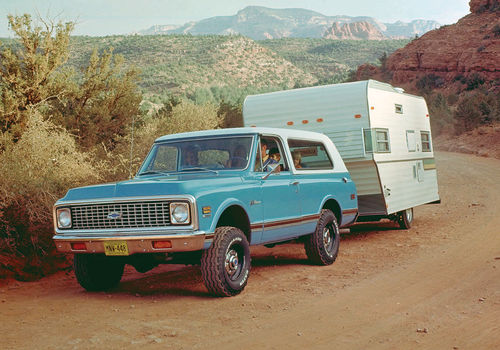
{"type": "Point", "coordinates": [181, 184]}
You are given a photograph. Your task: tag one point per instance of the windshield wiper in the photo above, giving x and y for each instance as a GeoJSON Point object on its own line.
{"type": "Point", "coordinates": [199, 169]}
{"type": "Point", "coordinates": [150, 172]}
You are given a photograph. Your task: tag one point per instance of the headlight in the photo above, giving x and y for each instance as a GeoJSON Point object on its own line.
{"type": "Point", "coordinates": [64, 218]}
{"type": "Point", "coordinates": [179, 213]}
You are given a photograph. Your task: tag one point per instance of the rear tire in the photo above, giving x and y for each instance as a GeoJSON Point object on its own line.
{"type": "Point", "coordinates": [97, 272]}
{"type": "Point", "coordinates": [322, 247]}
{"type": "Point", "coordinates": [405, 218]}
{"type": "Point", "coordinates": [225, 266]}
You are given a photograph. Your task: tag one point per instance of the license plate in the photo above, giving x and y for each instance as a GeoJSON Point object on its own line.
{"type": "Point", "coordinates": [116, 248]}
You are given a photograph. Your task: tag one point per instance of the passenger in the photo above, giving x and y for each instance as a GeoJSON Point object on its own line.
{"type": "Point", "coordinates": [297, 158]}
{"type": "Point", "coordinates": [190, 157]}
{"type": "Point", "coordinates": [239, 158]}
{"type": "Point", "coordinates": [274, 153]}
{"type": "Point", "coordinates": [268, 163]}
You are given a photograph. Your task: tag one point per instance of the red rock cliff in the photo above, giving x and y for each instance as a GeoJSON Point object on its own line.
{"type": "Point", "coordinates": [470, 45]}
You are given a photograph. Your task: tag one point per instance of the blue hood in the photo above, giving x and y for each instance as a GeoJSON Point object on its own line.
{"type": "Point", "coordinates": [182, 184]}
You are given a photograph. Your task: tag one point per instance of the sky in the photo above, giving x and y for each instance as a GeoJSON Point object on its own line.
{"type": "Point", "coordinates": [108, 17]}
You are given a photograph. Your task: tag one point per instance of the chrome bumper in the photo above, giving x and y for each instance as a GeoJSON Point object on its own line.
{"type": "Point", "coordinates": [136, 243]}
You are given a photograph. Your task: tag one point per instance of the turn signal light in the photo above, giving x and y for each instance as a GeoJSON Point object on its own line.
{"type": "Point", "coordinates": [78, 246]}
{"type": "Point", "coordinates": [162, 244]}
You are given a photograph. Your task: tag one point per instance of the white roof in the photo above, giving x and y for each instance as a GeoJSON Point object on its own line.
{"type": "Point", "coordinates": [285, 133]}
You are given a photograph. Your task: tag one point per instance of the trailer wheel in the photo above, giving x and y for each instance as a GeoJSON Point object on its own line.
{"type": "Point", "coordinates": [405, 218]}
{"type": "Point", "coordinates": [97, 272]}
{"type": "Point", "coordinates": [322, 247]}
{"type": "Point", "coordinates": [225, 266]}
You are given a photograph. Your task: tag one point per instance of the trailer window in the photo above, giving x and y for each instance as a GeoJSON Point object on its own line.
{"type": "Point", "coordinates": [309, 155]}
{"type": "Point", "coordinates": [382, 137]}
{"type": "Point", "coordinates": [399, 108]}
{"type": "Point", "coordinates": [367, 134]}
{"type": "Point", "coordinates": [376, 140]}
{"type": "Point", "coordinates": [425, 136]}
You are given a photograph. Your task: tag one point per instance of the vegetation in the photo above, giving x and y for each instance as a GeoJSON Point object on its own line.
{"type": "Point", "coordinates": [52, 122]}
{"type": "Point", "coordinates": [331, 61]}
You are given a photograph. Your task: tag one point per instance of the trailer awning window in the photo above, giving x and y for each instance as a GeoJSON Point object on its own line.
{"type": "Point", "coordinates": [425, 136]}
{"type": "Point", "coordinates": [377, 137]}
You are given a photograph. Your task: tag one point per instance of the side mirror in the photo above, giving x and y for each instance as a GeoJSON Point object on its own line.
{"type": "Point", "coordinates": [276, 169]}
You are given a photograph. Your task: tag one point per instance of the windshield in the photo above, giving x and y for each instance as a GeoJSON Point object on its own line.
{"type": "Point", "coordinates": [198, 155]}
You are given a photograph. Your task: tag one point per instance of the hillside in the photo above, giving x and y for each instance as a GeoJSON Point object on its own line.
{"type": "Point", "coordinates": [229, 67]}
{"type": "Point", "coordinates": [184, 63]}
{"type": "Point", "coordinates": [260, 23]}
{"type": "Point", "coordinates": [331, 61]}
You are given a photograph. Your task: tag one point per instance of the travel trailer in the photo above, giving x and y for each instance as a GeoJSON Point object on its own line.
{"type": "Point", "coordinates": [382, 133]}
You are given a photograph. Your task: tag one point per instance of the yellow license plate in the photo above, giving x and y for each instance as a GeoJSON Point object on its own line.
{"type": "Point", "coordinates": [116, 248]}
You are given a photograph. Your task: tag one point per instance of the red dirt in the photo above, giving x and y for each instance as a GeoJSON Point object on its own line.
{"type": "Point", "coordinates": [435, 286]}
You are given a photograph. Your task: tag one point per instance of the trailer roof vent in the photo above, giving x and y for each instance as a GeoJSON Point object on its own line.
{"type": "Point", "coordinates": [400, 90]}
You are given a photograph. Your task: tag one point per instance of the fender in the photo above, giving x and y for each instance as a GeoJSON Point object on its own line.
{"type": "Point", "coordinates": [228, 202]}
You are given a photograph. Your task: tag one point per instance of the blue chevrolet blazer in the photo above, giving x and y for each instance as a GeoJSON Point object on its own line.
{"type": "Point", "coordinates": [204, 198]}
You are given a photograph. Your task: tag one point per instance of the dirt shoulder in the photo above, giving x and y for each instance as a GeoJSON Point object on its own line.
{"type": "Point", "coordinates": [435, 286]}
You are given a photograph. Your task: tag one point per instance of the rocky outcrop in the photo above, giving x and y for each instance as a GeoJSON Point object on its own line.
{"type": "Point", "coordinates": [479, 6]}
{"type": "Point", "coordinates": [353, 31]}
{"type": "Point", "coordinates": [472, 45]}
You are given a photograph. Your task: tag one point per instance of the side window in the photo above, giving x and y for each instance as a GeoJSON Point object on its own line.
{"type": "Point", "coordinates": [367, 134]}
{"type": "Point", "coordinates": [425, 136]}
{"type": "Point", "coordinates": [309, 155]}
{"type": "Point", "coordinates": [382, 138]}
{"type": "Point", "coordinates": [376, 140]}
{"type": "Point", "coordinates": [411, 141]}
{"type": "Point", "coordinates": [270, 155]}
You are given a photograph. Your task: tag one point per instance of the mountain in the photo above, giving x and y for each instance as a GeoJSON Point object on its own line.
{"type": "Point", "coordinates": [354, 31]}
{"type": "Point", "coordinates": [259, 23]}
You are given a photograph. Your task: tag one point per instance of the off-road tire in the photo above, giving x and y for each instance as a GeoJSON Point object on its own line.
{"type": "Point", "coordinates": [405, 218]}
{"type": "Point", "coordinates": [225, 266]}
{"type": "Point", "coordinates": [322, 247]}
{"type": "Point", "coordinates": [97, 272]}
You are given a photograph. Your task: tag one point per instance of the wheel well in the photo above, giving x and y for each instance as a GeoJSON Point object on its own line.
{"type": "Point", "coordinates": [237, 217]}
{"type": "Point", "coordinates": [335, 208]}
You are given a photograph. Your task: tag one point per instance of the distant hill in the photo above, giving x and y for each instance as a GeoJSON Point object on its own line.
{"type": "Point", "coordinates": [259, 23]}
{"type": "Point", "coordinates": [184, 63]}
{"type": "Point", "coordinates": [228, 67]}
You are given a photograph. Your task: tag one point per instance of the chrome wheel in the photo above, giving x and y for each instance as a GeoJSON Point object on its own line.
{"type": "Point", "coordinates": [232, 263]}
{"type": "Point", "coordinates": [328, 240]}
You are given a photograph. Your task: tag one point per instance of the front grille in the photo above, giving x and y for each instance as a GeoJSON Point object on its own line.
{"type": "Point", "coordinates": [120, 215]}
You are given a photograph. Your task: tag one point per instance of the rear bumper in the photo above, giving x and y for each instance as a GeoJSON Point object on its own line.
{"type": "Point", "coordinates": [135, 243]}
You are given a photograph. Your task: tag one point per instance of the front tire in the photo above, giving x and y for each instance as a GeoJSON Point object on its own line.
{"type": "Point", "coordinates": [225, 266]}
{"type": "Point", "coordinates": [97, 272]}
{"type": "Point", "coordinates": [405, 218]}
{"type": "Point", "coordinates": [322, 247]}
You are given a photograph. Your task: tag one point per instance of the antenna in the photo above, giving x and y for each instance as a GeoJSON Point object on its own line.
{"type": "Point", "coordinates": [131, 148]}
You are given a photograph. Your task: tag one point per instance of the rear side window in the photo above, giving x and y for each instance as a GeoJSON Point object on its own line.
{"type": "Point", "coordinates": [309, 155]}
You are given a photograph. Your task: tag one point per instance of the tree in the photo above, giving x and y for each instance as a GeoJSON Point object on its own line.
{"type": "Point", "coordinates": [100, 108]}
{"type": "Point", "coordinates": [27, 75]}
{"type": "Point", "coordinates": [96, 104]}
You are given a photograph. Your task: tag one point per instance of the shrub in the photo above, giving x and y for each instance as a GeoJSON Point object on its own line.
{"type": "Point", "coordinates": [36, 171]}
{"type": "Point", "coordinates": [429, 82]}
{"type": "Point", "coordinates": [476, 108]}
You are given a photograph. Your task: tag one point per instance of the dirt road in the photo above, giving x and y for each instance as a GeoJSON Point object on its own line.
{"type": "Point", "coordinates": [435, 286]}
